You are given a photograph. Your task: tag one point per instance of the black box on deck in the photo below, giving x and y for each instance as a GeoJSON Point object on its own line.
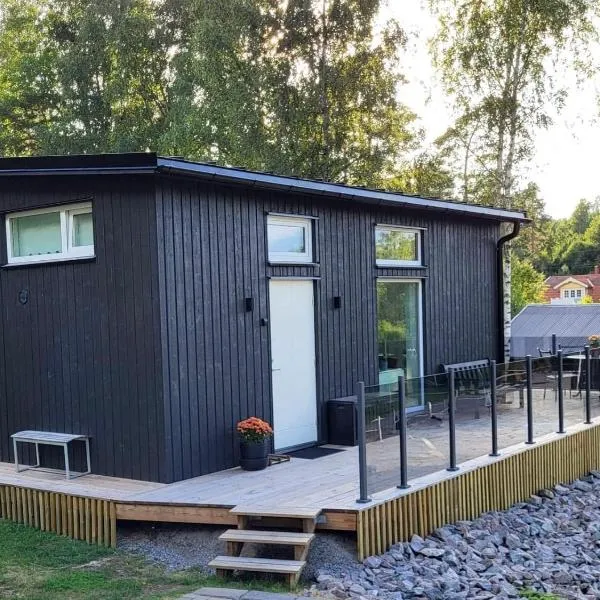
{"type": "Point", "coordinates": [342, 421]}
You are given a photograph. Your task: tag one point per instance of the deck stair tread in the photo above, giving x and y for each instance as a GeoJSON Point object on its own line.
{"type": "Point", "coordinates": [253, 536]}
{"type": "Point", "coordinates": [261, 565]}
{"type": "Point", "coordinates": [284, 513]}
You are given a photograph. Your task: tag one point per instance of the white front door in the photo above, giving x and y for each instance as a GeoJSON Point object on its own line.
{"type": "Point", "coordinates": [293, 362]}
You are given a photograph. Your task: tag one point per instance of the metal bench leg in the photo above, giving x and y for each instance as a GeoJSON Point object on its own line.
{"type": "Point", "coordinates": [16, 455]}
{"type": "Point", "coordinates": [67, 468]}
{"type": "Point", "coordinates": [87, 454]}
{"type": "Point", "coordinates": [37, 455]}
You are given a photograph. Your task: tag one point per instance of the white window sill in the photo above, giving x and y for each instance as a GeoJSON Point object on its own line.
{"type": "Point", "coordinates": [41, 263]}
{"type": "Point", "coordinates": [399, 265]}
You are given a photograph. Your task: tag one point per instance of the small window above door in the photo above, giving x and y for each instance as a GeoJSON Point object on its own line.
{"type": "Point", "coordinates": [289, 239]}
{"type": "Point", "coordinates": [397, 246]}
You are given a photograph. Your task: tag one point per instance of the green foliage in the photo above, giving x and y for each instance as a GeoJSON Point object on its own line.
{"type": "Point", "coordinates": [527, 285]}
{"type": "Point", "coordinates": [36, 564]}
{"type": "Point", "coordinates": [426, 175]}
{"type": "Point", "coordinates": [533, 595]}
{"type": "Point", "coordinates": [308, 88]}
{"type": "Point", "coordinates": [494, 57]}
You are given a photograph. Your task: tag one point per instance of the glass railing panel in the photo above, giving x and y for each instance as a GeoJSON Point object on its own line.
{"type": "Point", "coordinates": [427, 425]}
{"type": "Point", "coordinates": [382, 440]}
{"type": "Point", "coordinates": [473, 414]}
{"type": "Point", "coordinates": [511, 384]}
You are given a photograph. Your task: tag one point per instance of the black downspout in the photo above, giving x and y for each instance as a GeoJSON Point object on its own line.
{"type": "Point", "coordinates": [500, 275]}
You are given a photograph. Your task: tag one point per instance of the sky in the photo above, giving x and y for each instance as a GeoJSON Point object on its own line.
{"type": "Point", "coordinates": [566, 161]}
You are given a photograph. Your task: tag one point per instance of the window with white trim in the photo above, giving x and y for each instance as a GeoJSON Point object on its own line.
{"type": "Point", "coordinates": [50, 234]}
{"type": "Point", "coordinates": [289, 239]}
{"type": "Point", "coordinates": [578, 293]}
{"type": "Point", "coordinates": [397, 246]}
{"type": "Point", "coordinates": [565, 293]}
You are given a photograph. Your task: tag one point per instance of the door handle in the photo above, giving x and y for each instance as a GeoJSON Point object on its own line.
{"type": "Point", "coordinates": [275, 369]}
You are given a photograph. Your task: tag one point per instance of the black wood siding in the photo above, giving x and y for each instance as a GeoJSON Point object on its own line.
{"type": "Point", "coordinates": [212, 249]}
{"type": "Point", "coordinates": [83, 354]}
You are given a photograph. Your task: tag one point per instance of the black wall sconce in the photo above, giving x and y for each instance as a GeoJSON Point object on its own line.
{"type": "Point", "coordinates": [337, 302]}
{"type": "Point", "coordinates": [249, 304]}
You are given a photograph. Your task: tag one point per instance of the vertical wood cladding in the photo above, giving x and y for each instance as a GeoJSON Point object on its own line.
{"type": "Point", "coordinates": [148, 347]}
{"type": "Point", "coordinates": [83, 354]}
{"type": "Point", "coordinates": [216, 356]}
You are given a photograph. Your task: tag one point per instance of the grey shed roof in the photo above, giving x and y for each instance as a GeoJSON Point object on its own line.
{"type": "Point", "coordinates": [533, 327]}
{"type": "Point", "coordinates": [148, 163]}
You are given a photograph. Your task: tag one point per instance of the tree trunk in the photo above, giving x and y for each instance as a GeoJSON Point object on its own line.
{"type": "Point", "coordinates": [511, 98]}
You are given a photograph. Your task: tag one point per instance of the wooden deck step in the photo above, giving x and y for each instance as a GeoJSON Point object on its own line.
{"type": "Point", "coordinates": [283, 513]}
{"type": "Point", "coordinates": [307, 516]}
{"type": "Point", "coordinates": [290, 568]}
{"type": "Point", "coordinates": [283, 538]}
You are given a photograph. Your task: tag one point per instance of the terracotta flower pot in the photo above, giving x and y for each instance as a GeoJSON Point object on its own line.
{"type": "Point", "coordinates": [254, 456]}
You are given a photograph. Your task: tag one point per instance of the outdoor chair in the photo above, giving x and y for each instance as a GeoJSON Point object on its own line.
{"type": "Point", "coordinates": [471, 389]}
{"type": "Point", "coordinates": [552, 375]}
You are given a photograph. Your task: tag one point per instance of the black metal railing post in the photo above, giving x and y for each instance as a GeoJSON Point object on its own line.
{"type": "Point", "coordinates": [402, 433]}
{"type": "Point", "coordinates": [588, 385]}
{"type": "Point", "coordinates": [560, 393]}
{"type": "Point", "coordinates": [494, 408]}
{"type": "Point", "coordinates": [452, 420]}
{"type": "Point", "coordinates": [529, 369]}
{"type": "Point", "coordinates": [362, 444]}
{"type": "Point", "coordinates": [554, 345]}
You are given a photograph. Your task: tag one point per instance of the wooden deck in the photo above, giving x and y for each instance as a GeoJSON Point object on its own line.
{"type": "Point", "coordinates": [328, 484]}
{"type": "Point", "coordinates": [88, 508]}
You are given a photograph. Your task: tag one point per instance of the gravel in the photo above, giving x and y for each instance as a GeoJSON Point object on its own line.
{"type": "Point", "coordinates": [550, 544]}
{"type": "Point", "coordinates": [184, 546]}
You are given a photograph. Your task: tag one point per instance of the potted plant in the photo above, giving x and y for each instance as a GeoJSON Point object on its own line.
{"type": "Point", "coordinates": [594, 343]}
{"type": "Point", "coordinates": [255, 443]}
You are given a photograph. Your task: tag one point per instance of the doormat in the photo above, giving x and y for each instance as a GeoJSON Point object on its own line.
{"type": "Point", "coordinates": [314, 452]}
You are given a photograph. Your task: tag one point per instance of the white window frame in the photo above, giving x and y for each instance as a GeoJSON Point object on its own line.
{"type": "Point", "coordinates": [391, 262]}
{"type": "Point", "coordinates": [578, 294]}
{"type": "Point", "coordinates": [69, 252]}
{"type": "Point", "coordinates": [292, 257]}
{"type": "Point", "coordinates": [565, 293]}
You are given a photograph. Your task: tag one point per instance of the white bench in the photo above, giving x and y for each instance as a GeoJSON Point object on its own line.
{"type": "Point", "coordinates": [50, 439]}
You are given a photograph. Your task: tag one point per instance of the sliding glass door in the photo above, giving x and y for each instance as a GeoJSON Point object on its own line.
{"type": "Point", "coordinates": [398, 329]}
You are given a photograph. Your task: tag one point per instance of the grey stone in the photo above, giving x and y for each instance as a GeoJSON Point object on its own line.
{"type": "Point", "coordinates": [512, 541]}
{"type": "Point", "coordinates": [258, 595]}
{"type": "Point", "coordinates": [417, 543]}
{"type": "Point", "coordinates": [222, 593]}
{"type": "Point", "coordinates": [355, 588]}
{"type": "Point", "coordinates": [431, 552]}
{"type": "Point", "coordinates": [373, 562]}
{"type": "Point", "coordinates": [547, 494]}
{"type": "Point", "coordinates": [582, 486]}
{"type": "Point", "coordinates": [566, 551]}
{"type": "Point", "coordinates": [562, 578]}
{"type": "Point", "coordinates": [535, 500]}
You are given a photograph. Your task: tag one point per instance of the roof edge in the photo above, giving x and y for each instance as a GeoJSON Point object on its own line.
{"type": "Point", "coordinates": [333, 190]}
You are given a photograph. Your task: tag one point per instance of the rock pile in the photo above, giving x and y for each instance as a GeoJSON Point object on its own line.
{"type": "Point", "coordinates": [549, 544]}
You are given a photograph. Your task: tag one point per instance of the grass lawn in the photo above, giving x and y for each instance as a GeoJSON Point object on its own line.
{"type": "Point", "coordinates": [35, 565]}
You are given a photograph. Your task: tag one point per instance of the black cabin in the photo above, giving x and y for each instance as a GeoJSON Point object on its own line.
{"type": "Point", "coordinates": [152, 303]}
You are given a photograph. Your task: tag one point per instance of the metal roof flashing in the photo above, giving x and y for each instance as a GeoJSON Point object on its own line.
{"type": "Point", "coordinates": [147, 163]}
{"type": "Point", "coordinates": [258, 179]}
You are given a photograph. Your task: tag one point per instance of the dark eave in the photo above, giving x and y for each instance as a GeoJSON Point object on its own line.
{"type": "Point", "coordinates": [147, 163]}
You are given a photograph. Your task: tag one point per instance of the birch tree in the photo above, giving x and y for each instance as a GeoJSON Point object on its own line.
{"type": "Point", "coordinates": [499, 61]}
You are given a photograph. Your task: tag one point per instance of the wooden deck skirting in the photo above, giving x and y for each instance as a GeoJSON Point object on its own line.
{"type": "Point", "coordinates": [494, 486]}
{"type": "Point", "coordinates": [89, 519]}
